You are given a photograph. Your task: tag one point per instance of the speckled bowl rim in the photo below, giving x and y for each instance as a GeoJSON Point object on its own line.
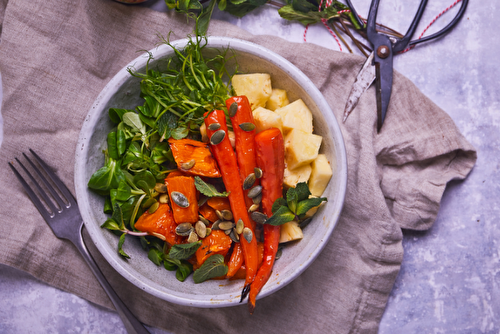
{"type": "Point", "coordinates": [96, 233]}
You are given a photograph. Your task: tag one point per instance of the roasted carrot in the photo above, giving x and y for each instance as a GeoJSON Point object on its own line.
{"type": "Point", "coordinates": [194, 157]}
{"type": "Point", "coordinates": [244, 132]}
{"type": "Point", "coordinates": [271, 159]}
{"type": "Point", "coordinates": [176, 173]}
{"type": "Point", "coordinates": [235, 261]}
{"type": "Point", "coordinates": [241, 273]}
{"type": "Point", "coordinates": [185, 186]}
{"type": "Point", "coordinates": [226, 159]}
{"type": "Point", "coordinates": [160, 222]}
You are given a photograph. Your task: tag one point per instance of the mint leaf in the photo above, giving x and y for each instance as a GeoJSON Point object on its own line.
{"type": "Point", "coordinates": [214, 266]}
{"type": "Point", "coordinates": [183, 251]}
{"type": "Point", "coordinates": [292, 199]}
{"type": "Point", "coordinates": [208, 189]}
{"type": "Point", "coordinates": [281, 216]}
{"type": "Point", "coordinates": [302, 191]}
{"type": "Point", "coordinates": [120, 244]}
{"type": "Point", "coordinates": [308, 204]}
{"type": "Point", "coordinates": [278, 203]}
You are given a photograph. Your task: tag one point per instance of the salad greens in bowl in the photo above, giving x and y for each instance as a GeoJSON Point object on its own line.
{"type": "Point", "coordinates": [210, 170]}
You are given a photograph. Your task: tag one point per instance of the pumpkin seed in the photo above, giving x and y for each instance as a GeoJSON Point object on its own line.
{"type": "Point", "coordinates": [203, 199]}
{"type": "Point", "coordinates": [193, 237]}
{"type": "Point", "coordinates": [219, 214]}
{"type": "Point", "coordinates": [257, 199]}
{"type": "Point", "coordinates": [217, 137]}
{"type": "Point", "coordinates": [255, 191]}
{"type": "Point", "coordinates": [163, 199]}
{"type": "Point", "coordinates": [184, 229]}
{"type": "Point", "coordinates": [215, 226]}
{"type": "Point", "coordinates": [249, 181]}
{"type": "Point", "coordinates": [180, 199]}
{"type": "Point", "coordinates": [247, 126]}
{"type": "Point", "coordinates": [240, 226]}
{"type": "Point", "coordinates": [188, 165]}
{"type": "Point", "coordinates": [233, 108]}
{"type": "Point", "coordinates": [161, 188]}
{"type": "Point", "coordinates": [228, 232]}
{"type": "Point", "coordinates": [258, 172]}
{"type": "Point", "coordinates": [204, 220]}
{"type": "Point", "coordinates": [226, 225]}
{"type": "Point", "coordinates": [227, 215]}
{"type": "Point", "coordinates": [214, 126]}
{"type": "Point", "coordinates": [253, 207]}
{"type": "Point", "coordinates": [154, 207]}
{"type": "Point", "coordinates": [234, 236]}
{"type": "Point", "coordinates": [209, 230]}
{"type": "Point", "coordinates": [247, 234]}
{"type": "Point", "coordinates": [201, 229]}
{"type": "Point", "coordinates": [258, 217]}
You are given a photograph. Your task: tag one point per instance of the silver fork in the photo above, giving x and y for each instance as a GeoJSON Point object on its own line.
{"type": "Point", "coordinates": [66, 223]}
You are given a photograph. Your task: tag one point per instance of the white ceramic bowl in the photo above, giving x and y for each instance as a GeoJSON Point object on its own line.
{"type": "Point", "coordinates": [123, 92]}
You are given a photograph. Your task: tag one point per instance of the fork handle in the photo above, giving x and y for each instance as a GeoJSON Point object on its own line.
{"type": "Point", "coordinates": [132, 324]}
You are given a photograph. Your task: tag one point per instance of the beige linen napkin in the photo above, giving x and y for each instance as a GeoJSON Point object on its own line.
{"type": "Point", "coordinates": [57, 55]}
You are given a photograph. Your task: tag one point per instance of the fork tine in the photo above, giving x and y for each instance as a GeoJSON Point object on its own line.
{"type": "Point", "coordinates": [47, 184]}
{"type": "Point", "coordinates": [44, 195]}
{"type": "Point", "coordinates": [57, 181]}
{"type": "Point", "coordinates": [36, 201]}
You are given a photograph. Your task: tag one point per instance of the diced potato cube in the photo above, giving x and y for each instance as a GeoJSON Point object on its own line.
{"type": "Point", "coordinates": [296, 115]}
{"type": "Point", "coordinates": [278, 99]}
{"type": "Point", "coordinates": [266, 119]}
{"type": "Point", "coordinates": [290, 231]}
{"type": "Point", "coordinates": [301, 148]}
{"type": "Point", "coordinates": [256, 87]}
{"type": "Point", "coordinates": [297, 175]}
{"type": "Point", "coordinates": [320, 175]}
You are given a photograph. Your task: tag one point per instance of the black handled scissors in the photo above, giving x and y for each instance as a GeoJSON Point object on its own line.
{"type": "Point", "coordinates": [378, 66]}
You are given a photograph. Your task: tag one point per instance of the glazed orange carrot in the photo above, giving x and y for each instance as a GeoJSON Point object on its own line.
{"type": "Point", "coordinates": [271, 159]}
{"type": "Point", "coordinates": [241, 273]}
{"type": "Point", "coordinates": [194, 157]}
{"type": "Point", "coordinates": [235, 261]}
{"type": "Point", "coordinates": [176, 173]}
{"type": "Point", "coordinates": [185, 186]}
{"type": "Point", "coordinates": [160, 222]}
{"type": "Point", "coordinates": [228, 166]}
{"type": "Point", "coordinates": [244, 138]}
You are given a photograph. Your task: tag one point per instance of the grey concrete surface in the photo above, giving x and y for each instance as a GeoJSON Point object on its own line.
{"type": "Point", "coordinates": [450, 278]}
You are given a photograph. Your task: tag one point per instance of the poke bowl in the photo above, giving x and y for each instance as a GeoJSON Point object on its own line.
{"type": "Point", "coordinates": [123, 92]}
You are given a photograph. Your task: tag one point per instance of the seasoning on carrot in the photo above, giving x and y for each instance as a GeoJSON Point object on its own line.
{"type": "Point", "coordinates": [228, 166]}
{"type": "Point", "coordinates": [271, 159]}
{"type": "Point", "coordinates": [182, 193]}
{"type": "Point", "coordinates": [241, 117]}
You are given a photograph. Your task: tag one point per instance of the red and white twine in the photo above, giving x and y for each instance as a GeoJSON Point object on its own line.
{"type": "Point", "coordinates": [329, 3]}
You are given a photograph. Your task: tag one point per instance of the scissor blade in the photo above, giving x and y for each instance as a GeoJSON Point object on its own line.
{"type": "Point", "coordinates": [383, 69]}
{"type": "Point", "coordinates": [363, 81]}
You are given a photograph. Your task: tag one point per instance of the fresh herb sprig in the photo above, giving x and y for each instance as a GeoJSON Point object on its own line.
{"type": "Point", "coordinates": [295, 206]}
